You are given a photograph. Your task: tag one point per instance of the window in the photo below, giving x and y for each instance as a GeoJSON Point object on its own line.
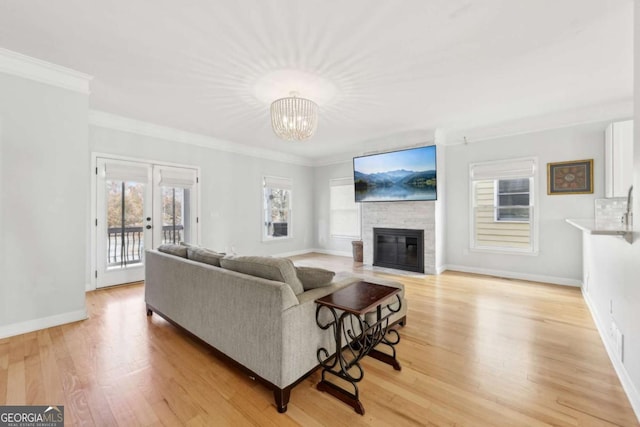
{"type": "Point", "coordinates": [344, 212]}
{"type": "Point", "coordinates": [502, 200]}
{"type": "Point", "coordinates": [277, 207]}
{"type": "Point", "coordinates": [512, 199]}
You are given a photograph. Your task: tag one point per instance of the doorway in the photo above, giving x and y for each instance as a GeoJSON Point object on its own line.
{"type": "Point", "coordinates": [140, 206]}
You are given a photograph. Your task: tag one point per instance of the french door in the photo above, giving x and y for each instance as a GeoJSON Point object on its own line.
{"type": "Point", "coordinates": [140, 206]}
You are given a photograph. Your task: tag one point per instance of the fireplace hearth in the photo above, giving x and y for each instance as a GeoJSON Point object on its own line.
{"type": "Point", "coordinates": [399, 248]}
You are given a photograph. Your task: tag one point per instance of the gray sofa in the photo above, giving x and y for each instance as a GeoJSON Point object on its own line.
{"type": "Point", "coordinates": [259, 324]}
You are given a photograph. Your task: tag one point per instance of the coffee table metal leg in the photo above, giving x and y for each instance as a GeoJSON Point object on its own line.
{"type": "Point", "coordinates": [362, 338]}
{"type": "Point", "coordinates": [338, 365]}
{"type": "Point", "coordinates": [350, 399]}
{"type": "Point", "coordinates": [390, 337]}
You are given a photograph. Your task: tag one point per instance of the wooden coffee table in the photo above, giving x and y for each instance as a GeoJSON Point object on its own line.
{"type": "Point", "coordinates": [355, 337]}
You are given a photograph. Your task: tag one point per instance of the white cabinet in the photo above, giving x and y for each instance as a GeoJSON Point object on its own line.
{"type": "Point", "coordinates": [618, 158]}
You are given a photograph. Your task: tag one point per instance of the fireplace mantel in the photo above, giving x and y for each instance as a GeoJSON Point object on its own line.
{"type": "Point", "coordinates": [403, 215]}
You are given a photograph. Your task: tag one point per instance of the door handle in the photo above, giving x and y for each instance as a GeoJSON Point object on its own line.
{"type": "Point", "coordinates": [148, 227]}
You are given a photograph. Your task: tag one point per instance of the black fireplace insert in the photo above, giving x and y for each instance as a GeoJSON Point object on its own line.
{"type": "Point", "coordinates": [399, 248]}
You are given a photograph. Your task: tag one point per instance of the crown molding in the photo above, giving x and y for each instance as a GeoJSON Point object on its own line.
{"type": "Point", "coordinates": [391, 142]}
{"type": "Point", "coordinates": [24, 66]}
{"type": "Point", "coordinates": [125, 124]}
{"type": "Point", "coordinates": [602, 113]}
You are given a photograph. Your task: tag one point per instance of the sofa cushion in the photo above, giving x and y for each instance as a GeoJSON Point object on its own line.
{"type": "Point", "coordinates": [176, 250]}
{"type": "Point", "coordinates": [204, 255]}
{"type": "Point", "coordinates": [278, 269]}
{"type": "Point", "coordinates": [189, 245]}
{"type": "Point", "coordinates": [313, 278]}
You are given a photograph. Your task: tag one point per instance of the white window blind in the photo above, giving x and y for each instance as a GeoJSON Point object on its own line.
{"type": "Point", "coordinates": [276, 182]}
{"type": "Point", "coordinates": [177, 177]}
{"type": "Point", "coordinates": [519, 168]}
{"type": "Point", "coordinates": [344, 214]}
{"type": "Point", "coordinates": [126, 171]}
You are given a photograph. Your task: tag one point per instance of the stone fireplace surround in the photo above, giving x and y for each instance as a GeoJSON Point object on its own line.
{"type": "Point", "coordinates": [410, 215]}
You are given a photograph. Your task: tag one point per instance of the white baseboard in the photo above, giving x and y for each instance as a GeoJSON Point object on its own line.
{"type": "Point", "coordinates": [294, 253]}
{"type": "Point", "coordinates": [330, 252]}
{"type": "Point", "coordinates": [317, 251]}
{"type": "Point", "coordinates": [623, 375]}
{"type": "Point", "coordinates": [515, 275]}
{"type": "Point", "coordinates": [42, 323]}
{"type": "Point", "coordinates": [441, 269]}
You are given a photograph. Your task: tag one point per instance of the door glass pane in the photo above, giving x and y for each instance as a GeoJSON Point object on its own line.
{"type": "Point", "coordinates": [175, 215]}
{"type": "Point", "coordinates": [125, 216]}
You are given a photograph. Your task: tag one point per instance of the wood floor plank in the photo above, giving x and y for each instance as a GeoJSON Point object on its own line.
{"type": "Point", "coordinates": [34, 384]}
{"type": "Point", "coordinates": [476, 351]}
{"type": "Point", "coordinates": [16, 384]}
{"type": "Point", "coordinates": [51, 379]}
{"type": "Point", "coordinates": [4, 369]}
{"type": "Point", "coordinates": [99, 407]}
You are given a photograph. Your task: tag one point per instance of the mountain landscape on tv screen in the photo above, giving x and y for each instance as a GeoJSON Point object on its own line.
{"type": "Point", "coordinates": [394, 185]}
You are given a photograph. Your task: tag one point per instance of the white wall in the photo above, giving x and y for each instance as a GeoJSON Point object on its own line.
{"type": "Point", "coordinates": [559, 259]}
{"type": "Point", "coordinates": [44, 178]}
{"type": "Point", "coordinates": [323, 239]}
{"type": "Point", "coordinates": [612, 273]}
{"type": "Point", "coordinates": [230, 188]}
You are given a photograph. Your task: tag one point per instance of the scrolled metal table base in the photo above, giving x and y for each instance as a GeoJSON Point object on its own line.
{"type": "Point", "coordinates": [355, 338]}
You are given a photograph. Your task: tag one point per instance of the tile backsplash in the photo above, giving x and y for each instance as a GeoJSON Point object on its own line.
{"type": "Point", "coordinates": [610, 211]}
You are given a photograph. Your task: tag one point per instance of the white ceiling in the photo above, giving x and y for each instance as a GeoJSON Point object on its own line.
{"type": "Point", "coordinates": [377, 69]}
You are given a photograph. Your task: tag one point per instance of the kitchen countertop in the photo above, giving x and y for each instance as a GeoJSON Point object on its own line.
{"type": "Point", "coordinates": [592, 226]}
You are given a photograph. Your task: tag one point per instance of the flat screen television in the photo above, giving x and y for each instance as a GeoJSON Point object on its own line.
{"type": "Point", "coordinates": [404, 175]}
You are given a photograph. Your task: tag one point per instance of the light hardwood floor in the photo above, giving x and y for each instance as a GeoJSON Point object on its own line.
{"type": "Point", "coordinates": [476, 351]}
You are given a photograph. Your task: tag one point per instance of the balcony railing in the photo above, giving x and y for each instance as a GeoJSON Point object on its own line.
{"type": "Point", "coordinates": [125, 246]}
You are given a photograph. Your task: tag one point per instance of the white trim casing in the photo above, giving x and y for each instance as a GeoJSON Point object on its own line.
{"type": "Point", "coordinates": [42, 323]}
{"type": "Point", "coordinates": [94, 204]}
{"type": "Point", "coordinates": [24, 66]}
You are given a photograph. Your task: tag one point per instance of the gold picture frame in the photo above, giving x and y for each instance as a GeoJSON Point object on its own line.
{"type": "Point", "coordinates": [574, 177]}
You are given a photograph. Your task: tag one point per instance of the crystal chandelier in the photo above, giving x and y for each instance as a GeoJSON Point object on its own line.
{"type": "Point", "coordinates": [294, 118]}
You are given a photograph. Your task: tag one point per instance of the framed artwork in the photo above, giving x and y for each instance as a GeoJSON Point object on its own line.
{"type": "Point", "coordinates": [575, 177]}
